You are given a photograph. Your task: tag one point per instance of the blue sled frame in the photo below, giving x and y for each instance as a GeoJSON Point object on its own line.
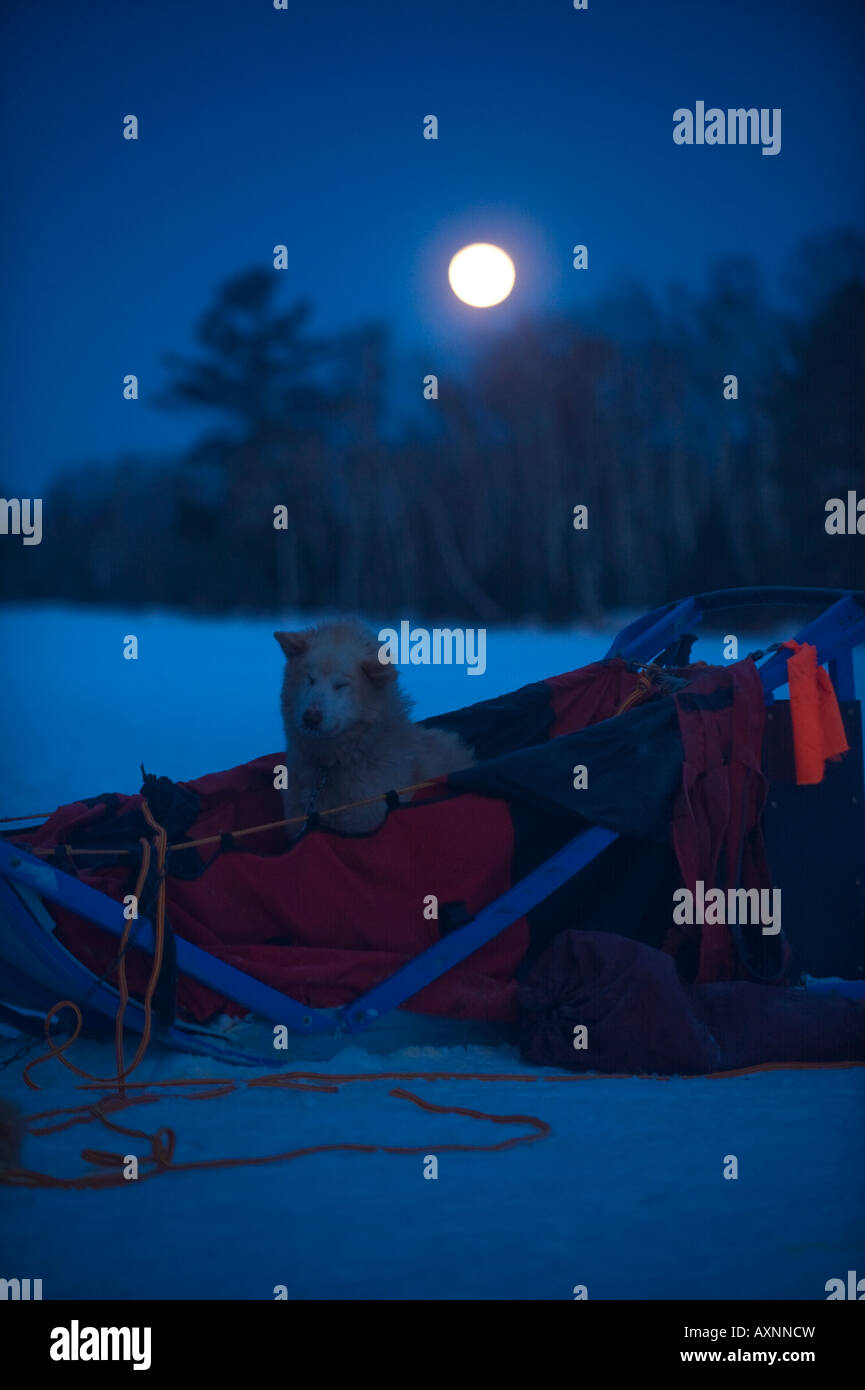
{"type": "Point", "coordinates": [36, 970]}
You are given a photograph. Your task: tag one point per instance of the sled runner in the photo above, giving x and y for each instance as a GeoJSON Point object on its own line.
{"type": "Point", "coordinates": [596, 795]}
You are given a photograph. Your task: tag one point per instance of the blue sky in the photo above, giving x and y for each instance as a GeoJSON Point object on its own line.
{"type": "Point", "coordinates": [304, 127]}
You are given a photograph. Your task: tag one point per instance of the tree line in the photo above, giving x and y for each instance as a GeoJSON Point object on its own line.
{"type": "Point", "coordinates": [463, 508]}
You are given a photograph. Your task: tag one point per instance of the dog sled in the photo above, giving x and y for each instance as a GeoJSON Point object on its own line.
{"type": "Point", "coordinates": [472, 911]}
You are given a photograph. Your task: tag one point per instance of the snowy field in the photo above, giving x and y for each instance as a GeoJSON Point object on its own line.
{"type": "Point", "coordinates": [625, 1196]}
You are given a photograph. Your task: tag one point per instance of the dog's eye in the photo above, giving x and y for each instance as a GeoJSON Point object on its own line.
{"type": "Point", "coordinates": [341, 685]}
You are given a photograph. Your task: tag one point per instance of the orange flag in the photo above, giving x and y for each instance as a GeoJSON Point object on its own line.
{"type": "Point", "coordinates": [818, 729]}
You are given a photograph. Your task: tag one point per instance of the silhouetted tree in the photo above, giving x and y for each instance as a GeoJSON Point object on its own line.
{"type": "Point", "coordinates": [820, 406]}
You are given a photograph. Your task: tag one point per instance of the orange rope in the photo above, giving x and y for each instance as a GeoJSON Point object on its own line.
{"type": "Point", "coordinates": [123, 1071]}
{"type": "Point", "coordinates": [236, 834]}
{"type": "Point", "coordinates": [645, 682]}
{"type": "Point", "coordinates": [163, 1141]}
{"type": "Point", "coordinates": [160, 1159]}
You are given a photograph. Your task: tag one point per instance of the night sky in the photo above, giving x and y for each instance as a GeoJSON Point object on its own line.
{"type": "Point", "coordinates": [260, 126]}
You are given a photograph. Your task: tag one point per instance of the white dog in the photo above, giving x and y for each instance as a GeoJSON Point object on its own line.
{"type": "Point", "coordinates": [347, 728]}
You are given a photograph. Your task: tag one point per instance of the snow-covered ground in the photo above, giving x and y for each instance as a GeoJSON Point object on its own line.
{"type": "Point", "coordinates": [202, 695]}
{"type": "Point", "coordinates": [626, 1195]}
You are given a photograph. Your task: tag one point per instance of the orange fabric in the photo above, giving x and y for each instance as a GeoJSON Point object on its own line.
{"type": "Point", "coordinates": [818, 729]}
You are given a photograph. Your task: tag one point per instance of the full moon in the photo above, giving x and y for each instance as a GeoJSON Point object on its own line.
{"type": "Point", "coordinates": [481, 275]}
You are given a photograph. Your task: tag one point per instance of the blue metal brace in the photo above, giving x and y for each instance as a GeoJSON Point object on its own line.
{"type": "Point", "coordinates": [457, 945]}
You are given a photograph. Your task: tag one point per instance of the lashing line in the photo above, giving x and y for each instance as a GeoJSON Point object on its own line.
{"type": "Point", "coordinates": [646, 682]}
{"type": "Point", "coordinates": [235, 834]}
{"type": "Point", "coordinates": [651, 676]}
{"type": "Point", "coordinates": [123, 1071]}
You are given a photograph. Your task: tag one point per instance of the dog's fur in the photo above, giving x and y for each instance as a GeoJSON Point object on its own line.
{"type": "Point", "coordinates": [364, 742]}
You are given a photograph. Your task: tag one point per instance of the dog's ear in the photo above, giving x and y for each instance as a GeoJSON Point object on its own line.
{"type": "Point", "coordinates": [378, 671]}
{"type": "Point", "coordinates": [293, 643]}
